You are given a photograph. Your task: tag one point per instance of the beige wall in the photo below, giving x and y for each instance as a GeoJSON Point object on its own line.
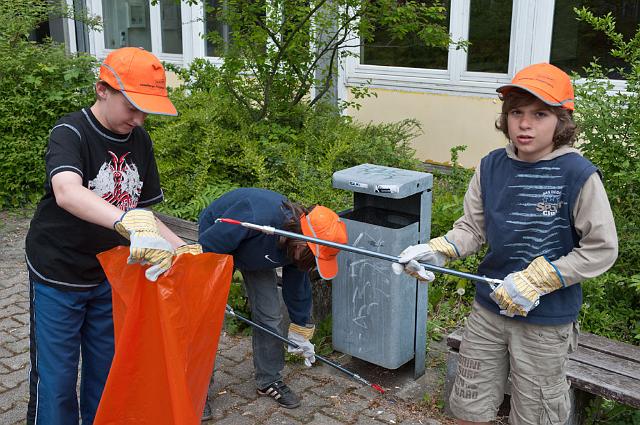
{"type": "Point", "coordinates": [172, 79]}
{"type": "Point", "coordinates": [447, 121]}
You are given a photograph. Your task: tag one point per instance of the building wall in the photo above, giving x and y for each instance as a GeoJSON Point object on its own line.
{"type": "Point", "coordinates": [172, 79]}
{"type": "Point", "coordinates": [447, 121]}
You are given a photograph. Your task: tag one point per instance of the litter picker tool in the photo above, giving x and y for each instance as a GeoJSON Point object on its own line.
{"type": "Point", "coordinates": [294, 345]}
{"type": "Point", "coordinates": [273, 231]}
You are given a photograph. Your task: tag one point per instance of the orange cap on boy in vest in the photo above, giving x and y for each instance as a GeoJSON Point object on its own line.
{"type": "Point", "coordinates": [323, 223]}
{"type": "Point", "coordinates": [548, 83]}
{"type": "Point", "coordinates": [140, 77]}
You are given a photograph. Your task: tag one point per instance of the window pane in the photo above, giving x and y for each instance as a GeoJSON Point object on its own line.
{"type": "Point", "coordinates": [126, 24]}
{"type": "Point", "coordinates": [489, 35]}
{"type": "Point", "coordinates": [212, 24]}
{"type": "Point", "coordinates": [171, 24]}
{"type": "Point", "coordinates": [575, 44]}
{"type": "Point", "coordinates": [409, 52]}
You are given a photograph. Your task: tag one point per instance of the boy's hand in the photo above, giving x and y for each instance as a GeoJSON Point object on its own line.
{"type": "Point", "coordinates": [147, 245]}
{"type": "Point", "coordinates": [520, 292]}
{"type": "Point", "coordinates": [414, 269]}
{"type": "Point", "coordinates": [436, 252]}
{"type": "Point", "coordinates": [301, 336]}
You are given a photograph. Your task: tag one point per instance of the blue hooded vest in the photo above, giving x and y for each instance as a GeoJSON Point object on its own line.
{"type": "Point", "coordinates": [253, 250]}
{"type": "Point", "coordinates": [528, 213]}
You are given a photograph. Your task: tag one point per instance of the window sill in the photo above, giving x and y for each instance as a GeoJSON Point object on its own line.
{"type": "Point", "coordinates": [423, 80]}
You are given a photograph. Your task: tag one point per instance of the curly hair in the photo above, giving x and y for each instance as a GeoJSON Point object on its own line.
{"type": "Point", "coordinates": [565, 132]}
{"type": "Point", "coordinates": [297, 250]}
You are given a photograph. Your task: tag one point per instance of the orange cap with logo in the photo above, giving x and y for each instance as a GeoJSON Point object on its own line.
{"type": "Point", "coordinates": [548, 83]}
{"type": "Point", "coordinates": [323, 223]}
{"type": "Point", "coordinates": [140, 77]}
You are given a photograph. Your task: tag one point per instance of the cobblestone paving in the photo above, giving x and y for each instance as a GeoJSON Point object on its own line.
{"type": "Point", "coordinates": [14, 319]}
{"type": "Point", "coordinates": [328, 396]}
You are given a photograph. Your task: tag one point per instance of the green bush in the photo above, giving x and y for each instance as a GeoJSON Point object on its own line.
{"type": "Point", "coordinates": [610, 138]}
{"type": "Point", "coordinates": [213, 147]}
{"type": "Point", "coordinates": [39, 83]}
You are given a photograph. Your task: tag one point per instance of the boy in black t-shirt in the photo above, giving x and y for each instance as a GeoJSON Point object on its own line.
{"type": "Point", "coordinates": [100, 171]}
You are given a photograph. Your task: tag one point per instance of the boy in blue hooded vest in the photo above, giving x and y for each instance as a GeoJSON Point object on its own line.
{"type": "Point", "coordinates": [257, 255]}
{"type": "Point", "coordinates": [543, 212]}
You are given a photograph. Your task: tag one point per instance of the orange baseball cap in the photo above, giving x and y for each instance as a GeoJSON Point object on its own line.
{"type": "Point", "coordinates": [323, 223]}
{"type": "Point", "coordinates": [548, 83]}
{"type": "Point", "coordinates": [140, 77]}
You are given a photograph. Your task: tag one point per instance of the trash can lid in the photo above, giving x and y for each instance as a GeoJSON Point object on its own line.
{"type": "Point", "coordinates": [378, 180]}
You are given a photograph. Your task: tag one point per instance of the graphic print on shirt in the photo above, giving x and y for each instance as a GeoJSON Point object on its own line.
{"type": "Point", "coordinates": [118, 182]}
{"type": "Point", "coordinates": [534, 215]}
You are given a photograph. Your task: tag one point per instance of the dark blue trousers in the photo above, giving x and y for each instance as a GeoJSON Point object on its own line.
{"type": "Point", "coordinates": [64, 325]}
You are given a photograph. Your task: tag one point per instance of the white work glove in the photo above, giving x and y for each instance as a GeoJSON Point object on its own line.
{"type": "Point", "coordinates": [193, 249]}
{"type": "Point", "coordinates": [436, 252]}
{"type": "Point", "coordinates": [413, 268]}
{"type": "Point", "coordinates": [408, 261]}
{"type": "Point", "coordinates": [520, 292]}
{"type": "Point", "coordinates": [301, 336]}
{"type": "Point", "coordinates": [147, 245]}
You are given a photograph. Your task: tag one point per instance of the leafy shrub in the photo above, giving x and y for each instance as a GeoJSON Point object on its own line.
{"type": "Point", "coordinates": [606, 412]}
{"type": "Point", "coordinates": [39, 83]}
{"type": "Point", "coordinates": [610, 138]}
{"type": "Point", "coordinates": [450, 297]}
{"type": "Point", "coordinates": [240, 305]}
{"type": "Point", "coordinates": [213, 147]}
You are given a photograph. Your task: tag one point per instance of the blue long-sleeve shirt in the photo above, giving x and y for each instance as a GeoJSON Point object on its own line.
{"type": "Point", "coordinates": [253, 250]}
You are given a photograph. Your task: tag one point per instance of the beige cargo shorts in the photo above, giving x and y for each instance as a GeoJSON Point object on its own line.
{"type": "Point", "coordinates": [495, 348]}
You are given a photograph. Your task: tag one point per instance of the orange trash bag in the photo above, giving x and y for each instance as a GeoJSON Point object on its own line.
{"type": "Point", "coordinates": [166, 337]}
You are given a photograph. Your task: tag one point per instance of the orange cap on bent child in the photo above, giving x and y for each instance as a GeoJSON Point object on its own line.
{"type": "Point", "coordinates": [323, 223]}
{"type": "Point", "coordinates": [140, 77]}
{"type": "Point", "coordinates": [548, 83]}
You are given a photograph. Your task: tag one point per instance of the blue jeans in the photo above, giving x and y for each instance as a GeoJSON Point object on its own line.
{"type": "Point", "coordinates": [64, 324]}
{"type": "Point", "coordinates": [268, 352]}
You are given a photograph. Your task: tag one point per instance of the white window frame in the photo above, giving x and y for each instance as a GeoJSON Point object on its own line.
{"type": "Point", "coordinates": [530, 42]}
{"type": "Point", "coordinates": [197, 35]}
{"type": "Point", "coordinates": [71, 31]}
{"type": "Point", "coordinates": [191, 28]}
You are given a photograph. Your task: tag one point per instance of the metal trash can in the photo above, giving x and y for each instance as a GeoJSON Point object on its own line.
{"type": "Point", "coordinates": [378, 316]}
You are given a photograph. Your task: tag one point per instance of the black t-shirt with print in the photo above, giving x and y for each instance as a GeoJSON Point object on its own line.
{"type": "Point", "coordinates": [121, 169]}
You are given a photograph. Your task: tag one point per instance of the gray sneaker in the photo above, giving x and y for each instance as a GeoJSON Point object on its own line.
{"type": "Point", "coordinates": [206, 412]}
{"type": "Point", "coordinates": [282, 394]}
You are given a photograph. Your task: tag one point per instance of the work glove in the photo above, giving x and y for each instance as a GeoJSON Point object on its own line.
{"type": "Point", "coordinates": [194, 249]}
{"type": "Point", "coordinates": [301, 336]}
{"type": "Point", "coordinates": [520, 292]}
{"type": "Point", "coordinates": [436, 252]}
{"type": "Point", "coordinates": [147, 245]}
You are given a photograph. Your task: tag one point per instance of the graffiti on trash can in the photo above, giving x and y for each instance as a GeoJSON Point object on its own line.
{"type": "Point", "coordinates": [369, 299]}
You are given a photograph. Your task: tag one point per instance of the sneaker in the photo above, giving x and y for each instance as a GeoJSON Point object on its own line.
{"type": "Point", "coordinates": [282, 394]}
{"type": "Point", "coordinates": [206, 412]}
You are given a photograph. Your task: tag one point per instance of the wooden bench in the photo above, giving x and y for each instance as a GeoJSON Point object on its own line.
{"type": "Point", "coordinates": [187, 230]}
{"type": "Point", "coordinates": [599, 367]}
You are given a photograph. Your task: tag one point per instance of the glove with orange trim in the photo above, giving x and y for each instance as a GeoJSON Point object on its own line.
{"type": "Point", "coordinates": [302, 335]}
{"type": "Point", "coordinates": [193, 249]}
{"type": "Point", "coordinates": [147, 245]}
{"type": "Point", "coordinates": [520, 292]}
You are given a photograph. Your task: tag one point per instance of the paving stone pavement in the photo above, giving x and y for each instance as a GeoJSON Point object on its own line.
{"type": "Point", "coordinates": [328, 396]}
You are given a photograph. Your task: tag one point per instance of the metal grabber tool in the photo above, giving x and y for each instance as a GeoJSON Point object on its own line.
{"type": "Point", "coordinates": [273, 231]}
{"type": "Point", "coordinates": [294, 345]}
